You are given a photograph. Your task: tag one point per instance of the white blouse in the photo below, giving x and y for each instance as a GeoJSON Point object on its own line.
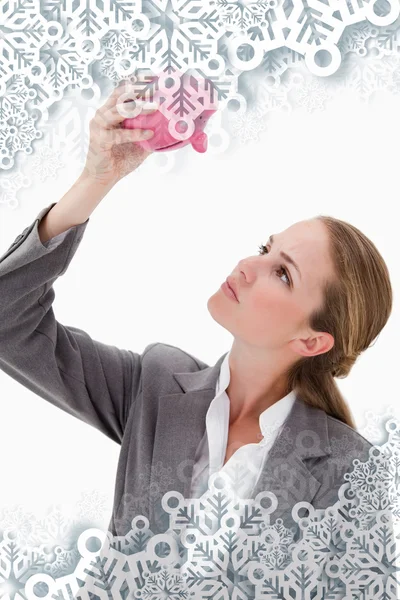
{"type": "Point", "coordinates": [248, 459]}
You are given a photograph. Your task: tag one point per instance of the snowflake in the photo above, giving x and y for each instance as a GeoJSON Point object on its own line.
{"type": "Point", "coordinates": [166, 583]}
{"type": "Point", "coordinates": [365, 76]}
{"type": "Point", "coordinates": [273, 99]}
{"type": "Point", "coordinates": [55, 529]}
{"type": "Point", "coordinates": [355, 37]}
{"type": "Point", "coordinates": [374, 430]}
{"type": "Point", "coordinates": [240, 15]}
{"type": "Point", "coordinates": [279, 540]}
{"type": "Point", "coordinates": [337, 445]}
{"type": "Point", "coordinates": [17, 126]}
{"type": "Point", "coordinates": [162, 474]}
{"type": "Point", "coordinates": [223, 546]}
{"type": "Point", "coordinates": [284, 440]}
{"type": "Point", "coordinates": [248, 124]}
{"type": "Point", "coordinates": [395, 86]}
{"type": "Point", "coordinates": [10, 185]}
{"type": "Point", "coordinates": [130, 506]}
{"type": "Point", "coordinates": [20, 522]}
{"type": "Point", "coordinates": [46, 163]}
{"type": "Point", "coordinates": [118, 49]}
{"type": "Point", "coordinates": [312, 95]}
{"type": "Point", "coordinates": [92, 505]}
{"type": "Point", "coordinates": [61, 46]}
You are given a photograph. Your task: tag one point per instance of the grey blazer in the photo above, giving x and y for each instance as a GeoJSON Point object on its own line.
{"type": "Point", "coordinates": [152, 403]}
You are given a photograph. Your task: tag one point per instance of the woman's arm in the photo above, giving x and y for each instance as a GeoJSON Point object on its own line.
{"type": "Point", "coordinates": [74, 208]}
{"type": "Point", "coordinates": [112, 154]}
{"type": "Point", "coordinates": [95, 382]}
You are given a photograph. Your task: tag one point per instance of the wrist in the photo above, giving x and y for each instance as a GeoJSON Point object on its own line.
{"type": "Point", "coordinates": [105, 183]}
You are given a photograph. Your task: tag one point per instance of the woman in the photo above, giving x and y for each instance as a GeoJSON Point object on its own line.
{"type": "Point", "coordinates": [301, 312]}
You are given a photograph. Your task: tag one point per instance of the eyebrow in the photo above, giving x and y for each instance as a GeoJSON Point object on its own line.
{"type": "Point", "coordinates": [286, 256]}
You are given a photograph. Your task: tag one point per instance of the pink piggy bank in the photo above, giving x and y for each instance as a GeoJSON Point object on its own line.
{"type": "Point", "coordinates": [185, 105]}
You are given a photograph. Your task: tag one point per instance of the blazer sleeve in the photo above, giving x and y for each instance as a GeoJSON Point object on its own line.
{"type": "Point", "coordinates": [55, 241]}
{"type": "Point", "coordinates": [95, 382]}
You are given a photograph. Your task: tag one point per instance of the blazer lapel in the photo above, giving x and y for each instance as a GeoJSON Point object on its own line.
{"type": "Point", "coordinates": [181, 424]}
{"type": "Point", "coordinates": [303, 436]}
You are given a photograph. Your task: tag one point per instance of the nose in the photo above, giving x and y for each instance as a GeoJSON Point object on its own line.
{"type": "Point", "coordinates": [247, 269]}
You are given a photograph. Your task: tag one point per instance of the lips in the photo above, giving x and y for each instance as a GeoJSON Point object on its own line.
{"type": "Point", "coordinates": [232, 286]}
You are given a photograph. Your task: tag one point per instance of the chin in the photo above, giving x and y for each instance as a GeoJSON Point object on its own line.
{"type": "Point", "coordinates": [210, 303]}
{"type": "Point", "coordinates": [218, 311]}
{"type": "Point", "coordinates": [214, 301]}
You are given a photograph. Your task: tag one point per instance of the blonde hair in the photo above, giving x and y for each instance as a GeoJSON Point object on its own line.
{"type": "Point", "coordinates": [357, 305]}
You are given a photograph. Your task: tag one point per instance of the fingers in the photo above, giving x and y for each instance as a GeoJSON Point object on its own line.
{"type": "Point", "coordinates": [128, 110]}
{"type": "Point", "coordinates": [121, 105]}
{"type": "Point", "coordinates": [114, 116]}
{"type": "Point", "coordinates": [126, 91]}
{"type": "Point", "coordinates": [122, 88]}
{"type": "Point", "coordinates": [122, 136]}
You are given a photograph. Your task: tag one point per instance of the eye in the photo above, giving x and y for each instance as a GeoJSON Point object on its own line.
{"type": "Point", "coordinates": [264, 250]}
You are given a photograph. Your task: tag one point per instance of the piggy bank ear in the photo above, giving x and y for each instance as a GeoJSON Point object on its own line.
{"type": "Point", "coordinates": [200, 142]}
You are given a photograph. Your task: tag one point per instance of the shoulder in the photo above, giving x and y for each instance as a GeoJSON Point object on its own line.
{"type": "Point", "coordinates": [346, 445]}
{"type": "Point", "coordinates": [345, 440]}
{"type": "Point", "coordinates": [173, 359]}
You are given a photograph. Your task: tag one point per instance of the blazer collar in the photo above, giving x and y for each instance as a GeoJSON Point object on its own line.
{"type": "Point", "coordinates": [181, 425]}
{"type": "Point", "coordinates": [301, 419]}
{"type": "Point", "coordinates": [194, 381]}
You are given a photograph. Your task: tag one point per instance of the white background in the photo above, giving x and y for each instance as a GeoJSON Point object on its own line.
{"type": "Point", "coordinates": [159, 245]}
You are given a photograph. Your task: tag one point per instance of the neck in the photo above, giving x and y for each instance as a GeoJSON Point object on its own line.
{"type": "Point", "coordinates": [257, 380]}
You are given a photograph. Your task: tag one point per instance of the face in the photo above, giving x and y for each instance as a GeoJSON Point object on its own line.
{"type": "Point", "coordinates": [275, 300]}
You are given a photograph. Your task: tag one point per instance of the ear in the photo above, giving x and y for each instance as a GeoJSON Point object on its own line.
{"type": "Point", "coordinates": [318, 342]}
